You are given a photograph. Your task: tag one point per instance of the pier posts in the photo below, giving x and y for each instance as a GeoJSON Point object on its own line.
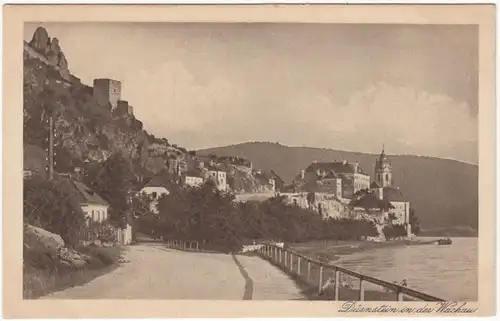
{"type": "Point", "coordinates": [279, 256]}
{"type": "Point", "coordinates": [337, 284]}
{"type": "Point", "coordinates": [361, 290]}
{"type": "Point", "coordinates": [320, 277]}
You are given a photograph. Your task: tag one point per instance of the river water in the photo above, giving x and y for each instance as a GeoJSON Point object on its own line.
{"type": "Point", "coordinates": [445, 271]}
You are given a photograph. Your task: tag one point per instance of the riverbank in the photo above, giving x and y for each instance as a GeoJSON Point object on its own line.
{"type": "Point", "coordinates": [331, 251]}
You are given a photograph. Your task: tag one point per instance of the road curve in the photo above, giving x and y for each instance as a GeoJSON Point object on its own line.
{"type": "Point", "coordinates": [155, 272]}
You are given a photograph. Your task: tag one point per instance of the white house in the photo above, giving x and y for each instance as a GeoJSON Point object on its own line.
{"type": "Point", "coordinates": [155, 188]}
{"type": "Point", "coordinates": [192, 179]}
{"type": "Point", "coordinates": [96, 210]}
{"type": "Point", "coordinates": [93, 206]}
{"type": "Point", "coordinates": [219, 177]}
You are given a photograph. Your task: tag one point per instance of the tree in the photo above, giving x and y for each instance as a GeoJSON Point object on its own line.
{"type": "Point", "coordinates": [414, 222]}
{"type": "Point", "coordinates": [53, 205]}
{"type": "Point", "coordinates": [141, 205]}
{"type": "Point", "coordinates": [145, 221]}
{"type": "Point", "coordinates": [114, 183]}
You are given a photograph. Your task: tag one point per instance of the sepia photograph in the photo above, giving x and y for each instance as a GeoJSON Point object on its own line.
{"type": "Point", "coordinates": [253, 160]}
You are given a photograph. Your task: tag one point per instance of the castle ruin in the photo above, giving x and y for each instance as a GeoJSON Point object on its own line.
{"type": "Point", "coordinates": [107, 91]}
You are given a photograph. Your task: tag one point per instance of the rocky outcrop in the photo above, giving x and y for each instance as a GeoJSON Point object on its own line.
{"type": "Point", "coordinates": [51, 246]}
{"type": "Point", "coordinates": [40, 41]}
{"type": "Point", "coordinates": [40, 240]}
{"type": "Point", "coordinates": [51, 51]}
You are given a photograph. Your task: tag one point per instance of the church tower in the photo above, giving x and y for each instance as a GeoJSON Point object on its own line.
{"type": "Point", "coordinates": [383, 170]}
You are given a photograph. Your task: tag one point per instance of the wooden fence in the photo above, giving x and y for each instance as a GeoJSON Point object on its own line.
{"type": "Point", "coordinates": [183, 245]}
{"type": "Point", "coordinates": [313, 271]}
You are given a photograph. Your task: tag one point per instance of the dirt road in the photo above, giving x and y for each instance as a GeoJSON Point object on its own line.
{"type": "Point", "coordinates": [155, 272]}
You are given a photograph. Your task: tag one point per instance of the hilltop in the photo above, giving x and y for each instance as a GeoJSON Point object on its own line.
{"type": "Point", "coordinates": [88, 127]}
{"type": "Point", "coordinates": [443, 192]}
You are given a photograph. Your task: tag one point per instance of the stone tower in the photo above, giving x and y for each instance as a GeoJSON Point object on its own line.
{"type": "Point", "coordinates": [383, 170]}
{"type": "Point", "coordinates": [107, 91]}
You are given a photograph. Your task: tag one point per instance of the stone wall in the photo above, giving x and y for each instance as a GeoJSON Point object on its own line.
{"type": "Point", "coordinates": [107, 91]}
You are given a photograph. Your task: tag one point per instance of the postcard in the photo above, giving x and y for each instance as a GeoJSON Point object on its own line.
{"type": "Point", "coordinates": [182, 160]}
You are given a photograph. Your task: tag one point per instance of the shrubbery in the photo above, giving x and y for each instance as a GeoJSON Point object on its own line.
{"type": "Point", "coordinates": [394, 231]}
{"type": "Point", "coordinates": [212, 218]}
{"type": "Point", "coordinates": [52, 206]}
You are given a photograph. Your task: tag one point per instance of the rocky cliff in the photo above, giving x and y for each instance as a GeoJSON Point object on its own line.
{"type": "Point", "coordinates": [85, 131]}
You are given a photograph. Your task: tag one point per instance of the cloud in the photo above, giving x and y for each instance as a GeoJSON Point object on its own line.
{"type": "Point", "coordinates": [405, 115]}
{"type": "Point", "coordinates": [173, 99]}
{"type": "Point", "coordinates": [407, 121]}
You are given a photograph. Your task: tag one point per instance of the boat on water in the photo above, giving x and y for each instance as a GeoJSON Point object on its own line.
{"type": "Point", "coordinates": [446, 241]}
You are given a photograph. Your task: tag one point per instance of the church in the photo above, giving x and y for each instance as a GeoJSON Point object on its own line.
{"type": "Point", "coordinates": [383, 188]}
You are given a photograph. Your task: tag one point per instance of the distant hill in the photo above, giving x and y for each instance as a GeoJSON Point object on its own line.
{"type": "Point", "coordinates": [443, 192]}
{"type": "Point", "coordinates": [454, 231]}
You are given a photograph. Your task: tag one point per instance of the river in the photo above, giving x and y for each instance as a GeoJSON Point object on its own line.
{"type": "Point", "coordinates": [445, 271]}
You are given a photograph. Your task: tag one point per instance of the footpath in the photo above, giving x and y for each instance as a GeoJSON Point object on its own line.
{"type": "Point", "coordinates": [153, 271]}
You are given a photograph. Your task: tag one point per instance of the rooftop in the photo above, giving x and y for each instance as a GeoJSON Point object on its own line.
{"type": "Point", "coordinates": [370, 201]}
{"type": "Point", "coordinates": [337, 167]}
{"type": "Point", "coordinates": [393, 194]}
{"type": "Point", "coordinates": [160, 180]}
{"type": "Point", "coordinates": [86, 194]}
{"type": "Point", "coordinates": [193, 173]}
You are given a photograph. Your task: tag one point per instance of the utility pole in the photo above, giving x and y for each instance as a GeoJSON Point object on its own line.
{"type": "Point", "coordinates": [50, 150]}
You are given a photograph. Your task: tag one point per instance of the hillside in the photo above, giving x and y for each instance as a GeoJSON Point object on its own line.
{"type": "Point", "coordinates": [454, 231]}
{"type": "Point", "coordinates": [443, 192]}
{"type": "Point", "coordinates": [88, 130]}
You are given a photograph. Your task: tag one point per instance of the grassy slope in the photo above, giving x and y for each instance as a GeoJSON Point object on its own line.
{"type": "Point", "coordinates": [443, 192]}
{"type": "Point", "coordinates": [43, 275]}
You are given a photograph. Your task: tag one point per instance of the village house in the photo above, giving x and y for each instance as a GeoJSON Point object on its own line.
{"type": "Point", "coordinates": [95, 209]}
{"type": "Point", "coordinates": [218, 176]}
{"type": "Point", "coordinates": [340, 178]}
{"type": "Point", "coordinates": [155, 188]}
{"type": "Point", "coordinates": [93, 206]}
{"type": "Point", "coordinates": [371, 204]}
{"type": "Point", "coordinates": [298, 199]}
{"type": "Point", "coordinates": [192, 178]}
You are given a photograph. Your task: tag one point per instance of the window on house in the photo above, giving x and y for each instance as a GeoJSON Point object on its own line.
{"type": "Point", "coordinates": [155, 195]}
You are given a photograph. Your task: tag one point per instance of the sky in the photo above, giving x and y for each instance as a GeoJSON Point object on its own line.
{"type": "Point", "coordinates": [356, 87]}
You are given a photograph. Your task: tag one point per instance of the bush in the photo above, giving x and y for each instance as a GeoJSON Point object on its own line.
{"type": "Point", "coordinates": [52, 205]}
{"type": "Point", "coordinates": [394, 231]}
